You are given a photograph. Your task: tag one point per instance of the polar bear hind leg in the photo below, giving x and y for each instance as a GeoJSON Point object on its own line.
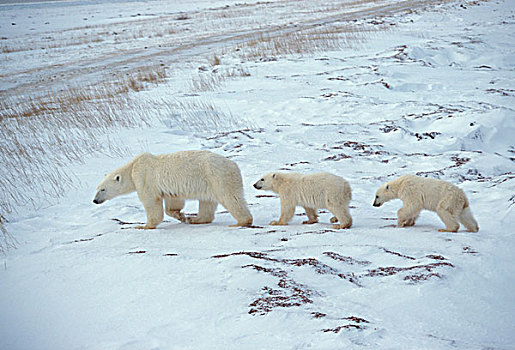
{"type": "Point", "coordinates": [467, 219]}
{"type": "Point", "coordinates": [238, 209]}
{"type": "Point", "coordinates": [173, 208]}
{"type": "Point", "coordinates": [312, 216]}
{"type": "Point", "coordinates": [206, 213]}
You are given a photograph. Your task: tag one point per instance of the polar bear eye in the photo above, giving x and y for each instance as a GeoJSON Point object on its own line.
{"type": "Point", "coordinates": [262, 180]}
{"type": "Point", "coordinates": [377, 197]}
{"type": "Point", "coordinates": [102, 190]}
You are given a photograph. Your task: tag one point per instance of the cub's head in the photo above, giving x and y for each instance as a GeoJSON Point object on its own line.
{"type": "Point", "coordinates": [266, 182]}
{"type": "Point", "coordinates": [383, 195]}
{"type": "Point", "coordinates": [113, 185]}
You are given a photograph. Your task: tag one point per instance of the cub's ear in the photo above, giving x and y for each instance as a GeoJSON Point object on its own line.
{"type": "Point", "coordinates": [117, 178]}
{"type": "Point", "coordinates": [273, 176]}
{"type": "Point", "coordinates": [387, 187]}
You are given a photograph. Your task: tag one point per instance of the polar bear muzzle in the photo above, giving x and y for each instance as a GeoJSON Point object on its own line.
{"type": "Point", "coordinates": [259, 184]}
{"type": "Point", "coordinates": [100, 197]}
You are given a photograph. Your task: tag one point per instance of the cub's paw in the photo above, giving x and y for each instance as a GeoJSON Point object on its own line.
{"type": "Point", "coordinates": [146, 227]}
{"type": "Point", "coordinates": [278, 223]}
{"type": "Point", "coordinates": [342, 226]}
{"type": "Point", "coordinates": [195, 220]}
{"type": "Point", "coordinates": [446, 230]}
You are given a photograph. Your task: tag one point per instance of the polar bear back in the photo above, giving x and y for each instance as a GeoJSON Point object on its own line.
{"type": "Point", "coordinates": [187, 175]}
{"type": "Point", "coordinates": [315, 190]}
{"type": "Point", "coordinates": [431, 192]}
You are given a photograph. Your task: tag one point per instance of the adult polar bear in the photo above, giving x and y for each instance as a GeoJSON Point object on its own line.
{"type": "Point", "coordinates": [175, 177]}
{"type": "Point", "coordinates": [311, 191]}
{"type": "Point", "coordinates": [417, 193]}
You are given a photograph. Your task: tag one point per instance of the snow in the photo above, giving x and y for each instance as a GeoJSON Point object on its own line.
{"type": "Point", "coordinates": [433, 95]}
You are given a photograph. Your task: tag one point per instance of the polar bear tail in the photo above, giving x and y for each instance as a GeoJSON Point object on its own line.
{"type": "Point", "coordinates": [467, 219]}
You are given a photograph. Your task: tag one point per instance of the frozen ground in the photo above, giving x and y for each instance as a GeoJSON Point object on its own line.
{"type": "Point", "coordinates": [433, 95]}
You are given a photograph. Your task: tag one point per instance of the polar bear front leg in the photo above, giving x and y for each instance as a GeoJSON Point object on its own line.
{"type": "Point", "coordinates": [154, 209]}
{"type": "Point", "coordinates": [206, 213]}
{"type": "Point", "coordinates": [312, 216]}
{"type": "Point", "coordinates": [287, 212]}
{"type": "Point", "coordinates": [407, 215]}
{"type": "Point", "coordinates": [173, 208]}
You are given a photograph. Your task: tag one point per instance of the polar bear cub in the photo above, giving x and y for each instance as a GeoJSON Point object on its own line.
{"type": "Point", "coordinates": [313, 191]}
{"type": "Point", "coordinates": [417, 193]}
{"type": "Point", "coordinates": [202, 175]}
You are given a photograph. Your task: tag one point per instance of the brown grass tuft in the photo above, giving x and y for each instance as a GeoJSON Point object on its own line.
{"type": "Point", "coordinates": [39, 135]}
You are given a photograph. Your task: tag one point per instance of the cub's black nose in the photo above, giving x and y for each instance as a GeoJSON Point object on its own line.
{"type": "Point", "coordinates": [95, 201]}
{"type": "Point", "coordinates": [256, 186]}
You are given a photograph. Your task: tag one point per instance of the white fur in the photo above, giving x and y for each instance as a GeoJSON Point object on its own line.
{"type": "Point", "coordinates": [175, 177]}
{"type": "Point", "coordinates": [314, 191]}
{"type": "Point", "coordinates": [417, 193]}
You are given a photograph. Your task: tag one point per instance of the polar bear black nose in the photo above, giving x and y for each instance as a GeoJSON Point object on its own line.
{"type": "Point", "coordinates": [95, 201]}
{"type": "Point", "coordinates": [257, 186]}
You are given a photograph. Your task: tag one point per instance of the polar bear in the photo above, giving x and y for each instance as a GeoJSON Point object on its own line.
{"type": "Point", "coordinates": [417, 193]}
{"type": "Point", "coordinates": [313, 191]}
{"type": "Point", "coordinates": [202, 175]}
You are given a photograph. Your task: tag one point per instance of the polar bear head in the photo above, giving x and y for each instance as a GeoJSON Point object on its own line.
{"type": "Point", "coordinates": [116, 183]}
{"type": "Point", "coordinates": [267, 182]}
{"type": "Point", "coordinates": [383, 195]}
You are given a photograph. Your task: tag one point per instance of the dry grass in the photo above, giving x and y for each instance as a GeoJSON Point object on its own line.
{"type": "Point", "coordinates": [196, 115]}
{"type": "Point", "coordinates": [303, 42]}
{"type": "Point", "coordinates": [38, 136]}
{"type": "Point", "coordinates": [210, 80]}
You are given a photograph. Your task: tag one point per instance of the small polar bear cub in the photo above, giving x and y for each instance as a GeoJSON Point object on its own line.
{"type": "Point", "coordinates": [201, 175]}
{"type": "Point", "coordinates": [312, 192]}
{"type": "Point", "coordinates": [417, 193]}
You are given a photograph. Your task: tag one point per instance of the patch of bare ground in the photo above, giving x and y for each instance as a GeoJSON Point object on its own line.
{"type": "Point", "coordinates": [347, 259]}
{"type": "Point", "coordinates": [398, 254]}
{"type": "Point", "coordinates": [354, 148]}
{"type": "Point", "coordinates": [414, 274]}
{"type": "Point", "coordinates": [357, 323]}
{"type": "Point", "coordinates": [289, 292]}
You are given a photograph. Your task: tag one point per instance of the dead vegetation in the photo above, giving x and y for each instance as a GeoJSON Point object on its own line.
{"type": "Point", "coordinates": [196, 115]}
{"type": "Point", "coordinates": [39, 135]}
{"type": "Point", "coordinates": [213, 79]}
{"type": "Point", "coordinates": [291, 293]}
{"type": "Point", "coordinates": [267, 45]}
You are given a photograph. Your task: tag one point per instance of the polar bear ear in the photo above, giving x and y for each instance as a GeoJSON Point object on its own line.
{"type": "Point", "coordinates": [387, 187]}
{"type": "Point", "coordinates": [273, 176]}
{"type": "Point", "coordinates": [117, 178]}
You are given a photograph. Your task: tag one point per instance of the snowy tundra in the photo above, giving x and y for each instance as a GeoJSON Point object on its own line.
{"type": "Point", "coordinates": [419, 87]}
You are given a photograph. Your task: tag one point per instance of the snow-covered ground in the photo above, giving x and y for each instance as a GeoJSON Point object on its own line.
{"type": "Point", "coordinates": [433, 95]}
